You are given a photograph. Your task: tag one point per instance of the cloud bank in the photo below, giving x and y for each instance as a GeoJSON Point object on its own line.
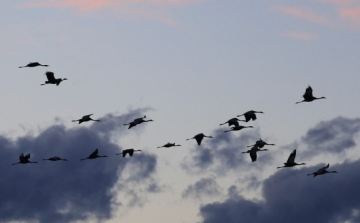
{"type": "Point", "coordinates": [74, 190]}
{"type": "Point", "coordinates": [289, 195]}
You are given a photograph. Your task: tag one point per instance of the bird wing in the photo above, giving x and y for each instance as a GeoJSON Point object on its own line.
{"type": "Point", "coordinates": [95, 152]}
{"type": "Point", "coordinates": [198, 140]}
{"type": "Point", "coordinates": [21, 157]}
{"type": "Point", "coordinates": [323, 168]}
{"type": "Point", "coordinates": [248, 116]}
{"type": "Point", "coordinates": [292, 156]}
{"type": "Point", "coordinates": [86, 116]}
{"type": "Point", "coordinates": [253, 155]}
{"type": "Point", "coordinates": [50, 76]}
{"type": "Point", "coordinates": [27, 156]}
{"type": "Point", "coordinates": [308, 92]}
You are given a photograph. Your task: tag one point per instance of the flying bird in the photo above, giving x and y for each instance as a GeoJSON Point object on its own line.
{"type": "Point", "coordinates": [250, 115]}
{"type": "Point", "coordinates": [86, 118]}
{"type": "Point", "coordinates": [322, 171]}
{"type": "Point", "coordinates": [94, 155]}
{"type": "Point", "coordinates": [138, 121]}
{"type": "Point", "coordinates": [199, 137]}
{"type": "Point", "coordinates": [52, 80]}
{"type": "Point", "coordinates": [253, 151]}
{"type": "Point", "coordinates": [237, 128]}
{"type": "Point", "coordinates": [55, 158]}
{"type": "Point", "coordinates": [233, 121]}
{"type": "Point", "coordinates": [260, 143]}
{"type": "Point", "coordinates": [291, 161]}
{"type": "Point", "coordinates": [24, 159]}
{"type": "Point", "coordinates": [128, 151]}
{"type": "Point", "coordinates": [308, 96]}
{"type": "Point", "coordinates": [34, 64]}
{"type": "Point", "coordinates": [167, 145]}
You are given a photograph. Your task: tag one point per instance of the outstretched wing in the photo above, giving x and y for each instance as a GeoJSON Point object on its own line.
{"type": "Point", "coordinates": [50, 76]}
{"type": "Point", "coordinates": [21, 157]}
{"type": "Point", "coordinates": [198, 140]}
{"type": "Point", "coordinates": [308, 92]}
{"type": "Point", "coordinates": [95, 152]}
{"type": "Point", "coordinates": [86, 116]}
{"type": "Point", "coordinates": [292, 156]}
{"type": "Point", "coordinates": [253, 155]}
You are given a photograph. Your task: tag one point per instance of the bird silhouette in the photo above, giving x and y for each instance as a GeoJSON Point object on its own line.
{"type": "Point", "coordinates": [199, 137]}
{"type": "Point", "coordinates": [291, 161]}
{"type": "Point", "coordinates": [138, 121]}
{"type": "Point", "coordinates": [86, 118]}
{"type": "Point", "coordinates": [52, 80]}
{"type": "Point", "coordinates": [233, 121]}
{"type": "Point", "coordinates": [260, 143]}
{"type": "Point", "coordinates": [308, 96]}
{"type": "Point", "coordinates": [55, 158]}
{"type": "Point", "coordinates": [24, 159]}
{"type": "Point", "coordinates": [237, 128]}
{"type": "Point", "coordinates": [322, 170]}
{"type": "Point", "coordinates": [128, 151]}
{"type": "Point", "coordinates": [34, 64]}
{"type": "Point", "coordinates": [250, 115]}
{"type": "Point", "coordinates": [253, 151]}
{"type": "Point", "coordinates": [93, 155]}
{"type": "Point", "coordinates": [167, 145]}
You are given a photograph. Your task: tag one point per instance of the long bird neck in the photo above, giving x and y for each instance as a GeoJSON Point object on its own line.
{"type": "Point", "coordinates": [299, 163]}
{"type": "Point", "coordinates": [315, 98]}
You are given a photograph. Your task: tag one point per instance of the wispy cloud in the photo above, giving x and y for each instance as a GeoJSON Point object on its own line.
{"type": "Point", "coordinates": [159, 10]}
{"type": "Point", "coordinates": [302, 13]}
{"type": "Point", "coordinates": [340, 13]}
{"type": "Point", "coordinates": [300, 35]}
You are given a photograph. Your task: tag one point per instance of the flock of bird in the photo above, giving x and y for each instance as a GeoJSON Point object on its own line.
{"type": "Point", "coordinates": [249, 115]}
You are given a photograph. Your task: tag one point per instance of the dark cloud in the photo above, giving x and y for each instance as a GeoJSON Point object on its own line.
{"type": "Point", "coordinates": [332, 136]}
{"type": "Point", "coordinates": [292, 196]}
{"type": "Point", "coordinates": [73, 190]}
{"type": "Point", "coordinates": [205, 187]}
{"type": "Point", "coordinates": [224, 153]}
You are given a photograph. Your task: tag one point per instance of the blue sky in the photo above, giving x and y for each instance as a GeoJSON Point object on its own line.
{"type": "Point", "coordinates": [189, 65]}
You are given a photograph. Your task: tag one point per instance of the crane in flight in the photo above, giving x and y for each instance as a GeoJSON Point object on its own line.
{"type": "Point", "coordinates": [308, 96]}
{"type": "Point", "coordinates": [24, 159]}
{"type": "Point", "coordinates": [86, 118]}
{"type": "Point", "coordinates": [233, 121]}
{"type": "Point", "coordinates": [260, 143]}
{"type": "Point", "coordinates": [253, 152]}
{"type": "Point", "coordinates": [250, 115]}
{"type": "Point", "coordinates": [93, 155]}
{"type": "Point", "coordinates": [55, 158]}
{"type": "Point", "coordinates": [238, 128]}
{"type": "Point", "coordinates": [34, 64]}
{"type": "Point", "coordinates": [128, 151]}
{"type": "Point", "coordinates": [322, 171]}
{"type": "Point", "coordinates": [199, 137]}
{"type": "Point", "coordinates": [138, 121]}
{"type": "Point", "coordinates": [168, 145]}
{"type": "Point", "coordinates": [52, 80]}
{"type": "Point", "coordinates": [291, 161]}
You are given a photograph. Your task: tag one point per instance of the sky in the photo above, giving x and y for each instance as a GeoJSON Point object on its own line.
{"type": "Point", "coordinates": [189, 65]}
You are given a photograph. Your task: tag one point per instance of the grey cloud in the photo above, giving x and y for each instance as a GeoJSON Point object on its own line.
{"type": "Point", "coordinates": [203, 188]}
{"type": "Point", "coordinates": [289, 195]}
{"type": "Point", "coordinates": [292, 196]}
{"type": "Point", "coordinates": [224, 153]}
{"type": "Point", "coordinates": [73, 190]}
{"type": "Point", "coordinates": [332, 136]}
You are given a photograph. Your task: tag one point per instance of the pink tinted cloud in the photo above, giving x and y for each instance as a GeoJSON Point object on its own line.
{"type": "Point", "coordinates": [352, 14]}
{"type": "Point", "coordinates": [91, 5]}
{"type": "Point", "coordinates": [300, 35]}
{"type": "Point", "coordinates": [302, 13]}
